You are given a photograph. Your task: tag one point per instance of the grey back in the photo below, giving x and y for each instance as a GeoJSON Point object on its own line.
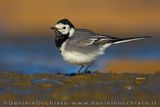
{"type": "Point", "coordinates": [83, 41]}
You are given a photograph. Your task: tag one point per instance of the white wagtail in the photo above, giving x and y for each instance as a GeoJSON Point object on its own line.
{"type": "Point", "coordinates": [83, 46]}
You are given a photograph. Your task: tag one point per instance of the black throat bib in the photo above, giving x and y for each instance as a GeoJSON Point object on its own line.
{"type": "Point", "coordinates": [60, 38]}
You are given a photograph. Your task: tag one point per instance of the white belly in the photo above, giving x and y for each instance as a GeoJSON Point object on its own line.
{"type": "Point", "coordinates": [75, 57]}
{"type": "Point", "coordinates": [80, 58]}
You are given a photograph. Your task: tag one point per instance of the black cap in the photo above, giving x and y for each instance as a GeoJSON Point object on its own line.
{"type": "Point", "coordinates": [66, 21]}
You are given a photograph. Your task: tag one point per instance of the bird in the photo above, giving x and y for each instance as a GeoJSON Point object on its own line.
{"type": "Point", "coordinates": [83, 46]}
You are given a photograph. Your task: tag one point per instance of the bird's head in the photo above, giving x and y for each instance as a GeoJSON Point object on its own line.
{"type": "Point", "coordinates": [65, 27]}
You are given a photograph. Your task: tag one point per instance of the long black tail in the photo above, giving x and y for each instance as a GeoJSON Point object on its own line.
{"type": "Point", "coordinates": [116, 41]}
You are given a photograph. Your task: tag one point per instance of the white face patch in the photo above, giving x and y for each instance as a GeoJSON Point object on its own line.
{"type": "Point", "coordinates": [71, 32]}
{"type": "Point", "coordinates": [64, 29]}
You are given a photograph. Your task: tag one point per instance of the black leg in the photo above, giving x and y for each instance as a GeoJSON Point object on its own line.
{"type": "Point", "coordinates": [87, 68]}
{"type": "Point", "coordinates": [80, 69]}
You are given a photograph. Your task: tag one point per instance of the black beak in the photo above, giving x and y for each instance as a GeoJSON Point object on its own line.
{"type": "Point", "coordinates": [53, 28]}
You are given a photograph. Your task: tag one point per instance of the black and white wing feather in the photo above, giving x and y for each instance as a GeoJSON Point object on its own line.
{"type": "Point", "coordinates": [86, 38]}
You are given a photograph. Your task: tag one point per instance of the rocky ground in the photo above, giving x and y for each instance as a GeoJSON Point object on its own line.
{"type": "Point", "coordinates": [92, 89]}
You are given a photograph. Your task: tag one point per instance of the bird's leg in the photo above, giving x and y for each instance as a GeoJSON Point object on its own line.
{"type": "Point", "coordinates": [87, 68]}
{"type": "Point", "coordinates": [80, 69]}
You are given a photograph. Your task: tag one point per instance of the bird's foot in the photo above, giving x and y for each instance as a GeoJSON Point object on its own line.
{"type": "Point", "coordinates": [84, 72]}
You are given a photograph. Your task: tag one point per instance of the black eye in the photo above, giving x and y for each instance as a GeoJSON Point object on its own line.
{"type": "Point", "coordinates": [64, 27]}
